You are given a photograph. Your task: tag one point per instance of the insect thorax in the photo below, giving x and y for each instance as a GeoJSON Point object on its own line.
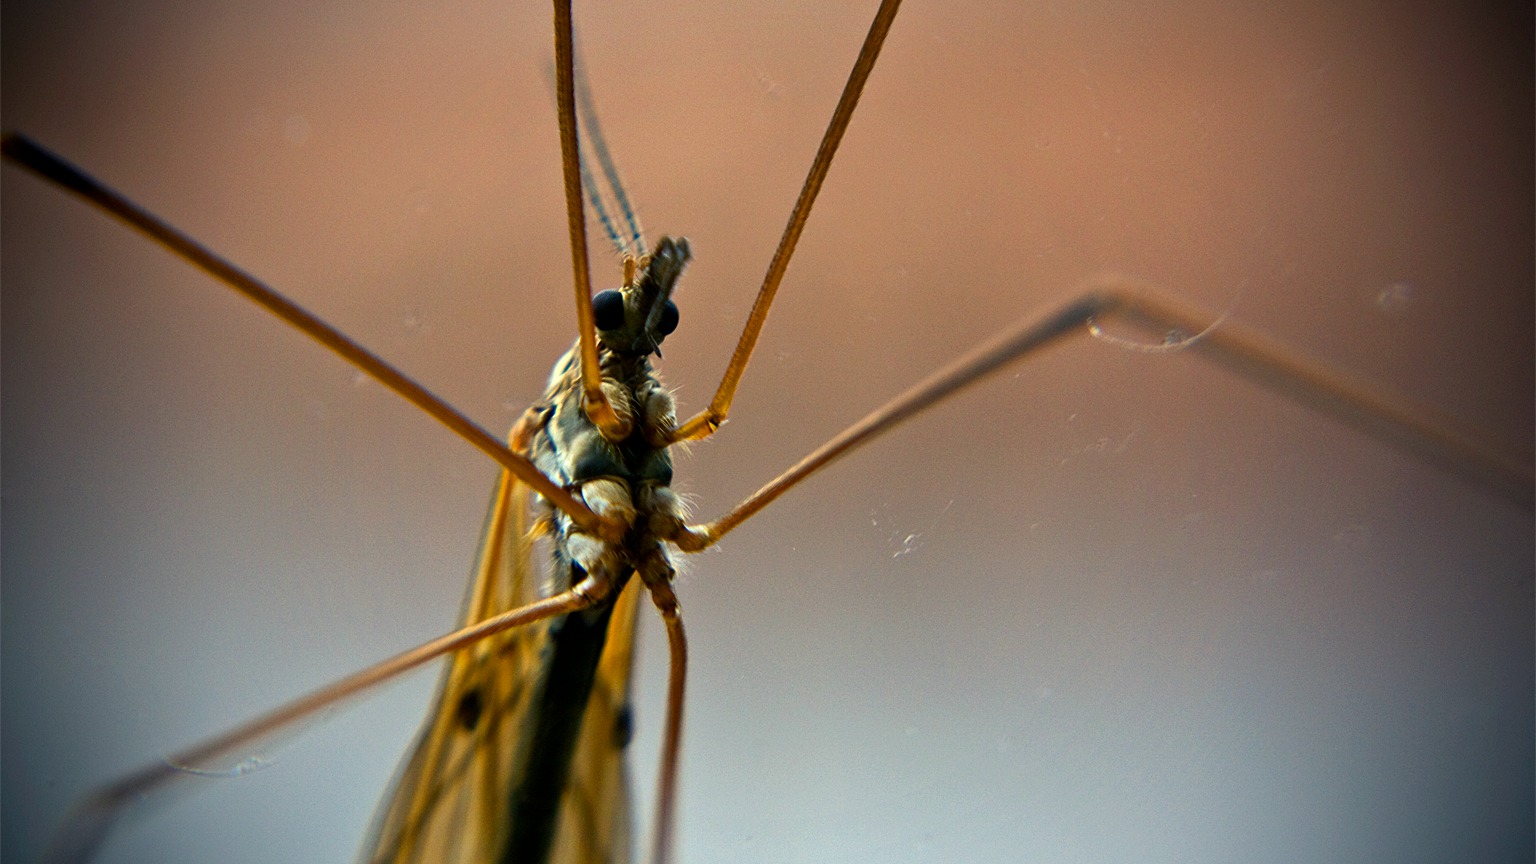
{"type": "Point", "coordinates": [626, 480]}
{"type": "Point", "coordinates": [575, 451]}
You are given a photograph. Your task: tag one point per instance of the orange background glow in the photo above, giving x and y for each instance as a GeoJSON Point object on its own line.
{"type": "Point", "coordinates": [1109, 606]}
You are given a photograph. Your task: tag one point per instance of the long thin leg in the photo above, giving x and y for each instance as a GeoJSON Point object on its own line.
{"type": "Point", "coordinates": [27, 154]}
{"type": "Point", "coordinates": [1422, 431]}
{"type": "Point", "coordinates": [89, 824]}
{"type": "Point", "coordinates": [1419, 430]}
{"type": "Point", "coordinates": [599, 411]}
{"type": "Point", "coordinates": [704, 424]}
{"type": "Point", "coordinates": [672, 732]}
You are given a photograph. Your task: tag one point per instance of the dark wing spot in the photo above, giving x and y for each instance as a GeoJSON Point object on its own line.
{"type": "Point", "coordinates": [471, 706]}
{"type": "Point", "coordinates": [624, 726]}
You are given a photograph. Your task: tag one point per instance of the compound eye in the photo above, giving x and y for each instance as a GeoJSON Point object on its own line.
{"type": "Point", "coordinates": [668, 321]}
{"type": "Point", "coordinates": [608, 309]}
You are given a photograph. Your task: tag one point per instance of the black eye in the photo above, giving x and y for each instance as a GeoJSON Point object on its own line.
{"type": "Point", "coordinates": [608, 309]}
{"type": "Point", "coordinates": [668, 321]}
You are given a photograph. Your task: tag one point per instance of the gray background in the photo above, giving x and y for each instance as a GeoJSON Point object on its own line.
{"type": "Point", "coordinates": [1110, 607]}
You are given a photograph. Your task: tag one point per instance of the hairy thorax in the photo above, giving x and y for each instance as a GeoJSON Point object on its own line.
{"type": "Point", "coordinates": [625, 479]}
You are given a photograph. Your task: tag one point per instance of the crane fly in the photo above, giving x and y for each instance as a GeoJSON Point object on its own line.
{"type": "Point", "coordinates": [1013, 643]}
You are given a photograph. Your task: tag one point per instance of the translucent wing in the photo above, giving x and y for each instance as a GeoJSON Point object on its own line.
{"type": "Point", "coordinates": [449, 800]}
{"type": "Point", "coordinates": [594, 813]}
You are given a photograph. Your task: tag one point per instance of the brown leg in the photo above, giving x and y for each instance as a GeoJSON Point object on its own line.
{"type": "Point", "coordinates": [25, 153]}
{"type": "Point", "coordinates": [598, 409]}
{"type": "Point", "coordinates": [704, 424]}
{"type": "Point", "coordinates": [1421, 431]}
{"type": "Point", "coordinates": [89, 824]}
{"type": "Point", "coordinates": [672, 734]}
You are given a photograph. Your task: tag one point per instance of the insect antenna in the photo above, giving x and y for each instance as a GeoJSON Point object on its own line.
{"type": "Point", "coordinates": [594, 136]}
{"type": "Point", "coordinates": [595, 200]}
{"type": "Point", "coordinates": [630, 241]}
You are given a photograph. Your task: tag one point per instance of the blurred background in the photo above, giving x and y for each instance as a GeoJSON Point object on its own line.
{"type": "Point", "coordinates": [1108, 606]}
